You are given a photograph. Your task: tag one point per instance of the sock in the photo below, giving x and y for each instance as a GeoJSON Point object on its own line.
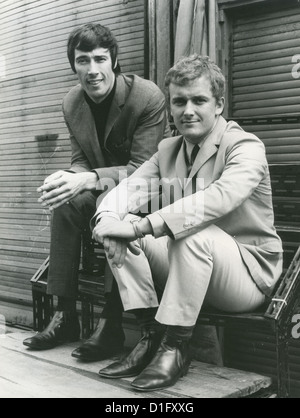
{"type": "Point", "coordinates": [66, 304]}
{"type": "Point", "coordinates": [146, 318]}
{"type": "Point", "coordinates": [180, 333]}
{"type": "Point", "coordinates": [113, 308]}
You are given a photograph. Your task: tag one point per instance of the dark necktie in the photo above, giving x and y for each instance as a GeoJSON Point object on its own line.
{"type": "Point", "coordinates": [194, 154]}
{"type": "Point", "coordinates": [191, 160]}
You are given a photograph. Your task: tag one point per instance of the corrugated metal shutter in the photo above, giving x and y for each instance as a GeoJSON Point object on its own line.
{"type": "Point", "coordinates": [266, 79]}
{"type": "Point", "coordinates": [34, 77]}
{"type": "Point", "coordinates": [255, 351]}
{"type": "Point", "coordinates": [265, 83]}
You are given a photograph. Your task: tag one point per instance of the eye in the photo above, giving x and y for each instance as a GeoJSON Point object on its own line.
{"type": "Point", "coordinates": [99, 60]}
{"type": "Point", "coordinates": [82, 61]}
{"type": "Point", "coordinates": [199, 101]}
{"type": "Point", "coordinates": [178, 102]}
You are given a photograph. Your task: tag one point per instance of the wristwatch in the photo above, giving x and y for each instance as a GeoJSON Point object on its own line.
{"type": "Point", "coordinates": [138, 232]}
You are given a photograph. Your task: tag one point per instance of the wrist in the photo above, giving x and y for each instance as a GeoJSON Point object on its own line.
{"type": "Point", "coordinates": [146, 227]}
{"type": "Point", "coordinates": [90, 181]}
{"type": "Point", "coordinates": [136, 228]}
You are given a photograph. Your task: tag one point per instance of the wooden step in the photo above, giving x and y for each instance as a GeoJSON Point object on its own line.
{"type": "Point", "coordinates": [55, 373]}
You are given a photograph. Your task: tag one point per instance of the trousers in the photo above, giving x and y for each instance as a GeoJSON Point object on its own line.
{"type": "Point", "coordinates": [202, 269]}
{"type": "Point", "coordinates": [67, 225]}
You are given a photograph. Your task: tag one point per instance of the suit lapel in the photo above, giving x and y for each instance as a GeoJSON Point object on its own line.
{"type": "Point", "coordinates": [116, 106]}
{"type": "Point", "coordinates": [207, 150]}
{"type": "Point", "coordinates": [83, 123]}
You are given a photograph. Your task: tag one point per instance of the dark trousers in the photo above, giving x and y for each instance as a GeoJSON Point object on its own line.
{"type": "Point", "coordinates": [67, 225]}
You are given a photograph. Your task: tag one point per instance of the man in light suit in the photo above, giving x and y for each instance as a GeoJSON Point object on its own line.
{"type": "Point", "coordinates": [213, 242]}
{"type": "Point", "coordinates": [115, 123]}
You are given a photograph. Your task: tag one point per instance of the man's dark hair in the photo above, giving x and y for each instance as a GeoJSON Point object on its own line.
{"type": "Point", "coordinates": [92, 36]}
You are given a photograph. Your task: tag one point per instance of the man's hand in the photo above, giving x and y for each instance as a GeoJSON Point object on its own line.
{"type": "Point", "coordinates": [112, 228]}
{"type": "Point", "coordinates": [116, 237]}
{"type": "Point", "coordinates": [61, 187]}
{"type": "Point", "coordinates": [116, 250]}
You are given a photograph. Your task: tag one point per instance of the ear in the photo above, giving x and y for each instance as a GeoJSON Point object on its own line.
{"type": "Point", "coordinates": [116, 64]}
{"type": "Point", "coordinates": [220, 106]}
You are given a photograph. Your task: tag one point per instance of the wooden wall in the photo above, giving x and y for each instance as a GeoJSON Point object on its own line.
{"type": "Point", "coordinates": [34, 77]}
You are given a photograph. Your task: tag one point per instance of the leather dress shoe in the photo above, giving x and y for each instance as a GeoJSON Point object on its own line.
{"type": "Point", "coordinates": [107, 340]}
{"type": "Point", "coordinates": [137, 360]}
{"type": "Point", "coordinates": [170, 363]}
{"type": "Point", "coordinates": [63, 328]}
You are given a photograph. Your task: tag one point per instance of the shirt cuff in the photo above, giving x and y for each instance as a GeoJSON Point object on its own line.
{"type": "Point", "coordinates": [107, 214]}
{"type": "Point", "coordinates": [158, 225]}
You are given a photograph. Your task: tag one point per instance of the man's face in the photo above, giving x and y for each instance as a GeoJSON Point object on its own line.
{"type": "Point", "coordinates": [95, 73]}
{"type": "Point", "coordinates": [194, 108]}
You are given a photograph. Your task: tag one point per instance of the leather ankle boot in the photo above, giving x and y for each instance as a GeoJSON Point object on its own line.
{"type": "Point", "coordinates": [63, 328]}
{"type": "Point", "coordinates": [171, 362]}
{"type": "Point", "coordinates": [107, 341]}
{"type": "Point", "coordinates": [138, 359]}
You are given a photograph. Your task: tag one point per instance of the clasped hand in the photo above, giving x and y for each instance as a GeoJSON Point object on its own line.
{"type": "Point", "coordinates": [60, 188]}
{"type": "Point", "coordinates": [116, 237]}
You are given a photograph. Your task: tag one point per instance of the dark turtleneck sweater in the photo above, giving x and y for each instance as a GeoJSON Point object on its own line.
{"type": "Point", "coordinates": [100, 112]}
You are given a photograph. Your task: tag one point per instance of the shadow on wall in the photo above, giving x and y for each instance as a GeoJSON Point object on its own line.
{"type": "Point", "coordinates": [47, 141]}
{"type": "Point", "coordinates": [47, 147]}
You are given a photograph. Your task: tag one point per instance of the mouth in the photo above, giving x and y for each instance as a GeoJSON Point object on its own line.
{"type": "Point", "coordinates": [190, 122]}
{"type": "Point", "coordinates": [95, 83]}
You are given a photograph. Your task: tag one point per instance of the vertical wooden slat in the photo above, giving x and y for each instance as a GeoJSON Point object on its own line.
{"type": "Point", "coordinates": [163, 40]}
{"type": "Point", "coordinates": [212, 44]}
{"type": "Point", "coordinates": [160, 15]}
{"type": "Point", "coordinates": [152, 40]}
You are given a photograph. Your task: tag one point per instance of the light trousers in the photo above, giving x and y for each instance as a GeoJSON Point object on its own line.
{"type": "Point", "coordinates": [202, 269]}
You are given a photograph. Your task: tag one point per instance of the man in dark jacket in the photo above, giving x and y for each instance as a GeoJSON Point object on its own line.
{"type": "Point", "coordinates": [115, 123]}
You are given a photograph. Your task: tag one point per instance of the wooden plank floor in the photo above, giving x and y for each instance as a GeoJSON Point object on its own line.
{"type": "Point", "coordinates": [55, 374]}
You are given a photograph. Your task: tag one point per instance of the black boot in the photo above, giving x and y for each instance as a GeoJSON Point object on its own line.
{"type": "Point", "coordinates": [138, 359]}
{"type": "Point", "coordinates": [107, 341]}
{"type": "Point", "coordinates": [171, 362]}
{"type": "Point", "coordinates": [63, 328]}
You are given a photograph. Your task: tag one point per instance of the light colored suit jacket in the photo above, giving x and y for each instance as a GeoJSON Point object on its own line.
{"type": "Point", "coordinates": [137, 121]}
{"type": "Point", "coordinates": [229, 186]}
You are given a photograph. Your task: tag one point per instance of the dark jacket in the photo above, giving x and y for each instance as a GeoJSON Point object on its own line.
{"type": "Point", "coordinates": [136, 123]}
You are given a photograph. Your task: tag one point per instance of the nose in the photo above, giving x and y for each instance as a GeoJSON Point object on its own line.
{"type": "Point", "coordinates": [93, 70]}
{"type": "Point", "coordinates": [189, 108]}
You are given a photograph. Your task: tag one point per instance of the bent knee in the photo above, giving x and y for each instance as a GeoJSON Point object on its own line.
{"type": "Point", "coordinates": [83, 204]}
{"type": "Point", "coordinates": [210, 233]}
{"type": "Point", "coordinates": [207, 239]}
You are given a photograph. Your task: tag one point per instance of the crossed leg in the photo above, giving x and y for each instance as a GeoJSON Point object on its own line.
{"type": "Point", "coordinates": [206, 267]}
